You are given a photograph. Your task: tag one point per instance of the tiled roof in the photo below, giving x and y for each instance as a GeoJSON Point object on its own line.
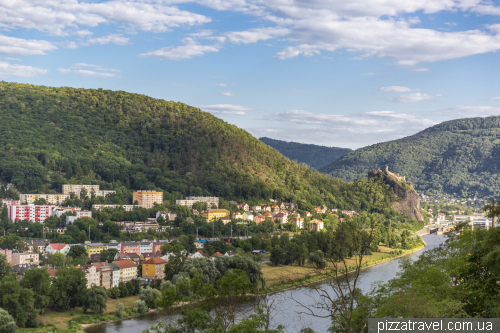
{"type": "Point", "coordinates": [58, 246]}
{"type": "Point", "coordinates": [155, 260]}
{"type": "Point", "coordinates": [125, 263]}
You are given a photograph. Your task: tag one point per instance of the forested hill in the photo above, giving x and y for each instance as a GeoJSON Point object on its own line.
{"type": "Point", "coordinates": [312, 155]}
{"type": "Point", "coordinates": [51, 136]}
{"type": "Point", "coordinates": [459, 156]}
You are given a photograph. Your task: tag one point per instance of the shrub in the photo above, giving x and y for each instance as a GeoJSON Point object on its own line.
{"type": "Point", "coordinates": [119, 309]}
{"type": "Point", "coordinates": [141, 307]}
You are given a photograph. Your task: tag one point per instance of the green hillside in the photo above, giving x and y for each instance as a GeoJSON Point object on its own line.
{"type": "Point", "coordinates": [312, 155]}
{"type": "Point", "coordinates": [51, 136]}
{"type": "Point", "coordinates": [458, 156]}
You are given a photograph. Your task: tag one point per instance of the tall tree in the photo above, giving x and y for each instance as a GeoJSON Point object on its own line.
{"type": "Point", "coordinates": [38, 280]}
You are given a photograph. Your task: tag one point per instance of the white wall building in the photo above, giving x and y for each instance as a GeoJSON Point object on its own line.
{"type": "Point", "coordinates": [146, 246]}
{"type": "Point", "coordinates": [30, 212]}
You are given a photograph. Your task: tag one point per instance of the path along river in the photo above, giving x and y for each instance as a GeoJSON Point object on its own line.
{"type": "Point", "coordinates": [285, 309]}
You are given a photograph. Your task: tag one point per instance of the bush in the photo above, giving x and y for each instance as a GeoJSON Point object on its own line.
{"type": "Point", "coordinates": [114, 292]}
{"type": "Point", "coordinates": [149, 296]}
{"type": "Point", "coordinates": [119, 309]}
{"type": "Point", "coordinates": [7, 323]}
{"type": "Point", "coordinates": [141, 307]}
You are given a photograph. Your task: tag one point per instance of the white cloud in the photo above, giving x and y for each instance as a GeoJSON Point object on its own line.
{"type": "Point", "coordinates": [64, 70]}
{"type": "Point", "coordinates": [495, 99]}
{"type": "Point", "coordinates": [228, 93]}
{"type": "Point", "coordinates": [255, 35]}
{"type": "Point", "coordinates": [221, 84]}
{"type": "Point", "coordinates": [111, 38]}
{"type": "Point", "coordinates": [414, 98]}
{"type": "Point", "coordinates": [56, 16]}
{"type": "Point", "coordinates": [467, 111]}
{"type": "Point", "coordinates": [97, 70]}
{"type": "Point", "coordinates": [229, 109]}
{"type": "Point", "coordinates": [398, 89]}
{"type": "Point", "coordinates": [13, 59]}
{"type": "Point", "coordinates": [83, 33]}
{"type": "Point", "coordinates": [7, 69]}
{"type": "Point", "coordinates": [86, 72]}
{"type": "Point", "coordinates": [191, 48]}
{"type": "Point", "coordinates": [422, 69]}
{"type": "Point", "coordinates": [13, 45]}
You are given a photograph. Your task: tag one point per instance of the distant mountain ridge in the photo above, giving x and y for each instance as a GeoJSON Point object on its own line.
{"type": "Point", "coordinates": [313, 155]}
{"type": "Point", "coordinates": [458, 156]}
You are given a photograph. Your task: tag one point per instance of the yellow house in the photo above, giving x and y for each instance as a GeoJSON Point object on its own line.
{"type": "Point", "coordinates": [128, 269]}
{"type": "Point", "coordinates": [95, 248]}
{"type": "Point", "coordinates": [214, 214]}
{"type": "Point", "coordinates": [154, 268]}
{"type": "Point", "coordinates": [55, 199]}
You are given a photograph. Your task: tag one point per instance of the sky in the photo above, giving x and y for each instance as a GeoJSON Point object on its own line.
{"type": "Point", "coordinates": [329, 72]}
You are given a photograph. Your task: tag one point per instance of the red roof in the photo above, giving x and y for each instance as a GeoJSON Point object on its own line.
{"type": "Point", "coordinates": [58, 246]}
{"type": "Point", "coordinates": [155, 260]}
{"type": "Point", "coordinates": [125, 263]}
{"type": "Point", "coordinates": [216, 254]}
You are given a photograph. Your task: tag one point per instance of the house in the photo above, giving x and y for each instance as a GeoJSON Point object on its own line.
{"type": "Point", "coordinates": [216, 254]}
{"type": "Point", "coordinates": [308, 214]}
{"type": "Point", "coordinates": [157, 245]}
{"type": "Point", "coordinates": [9, 202]}
{"type": "Point", "coordinates": [145, 246]}
{"type": "Point", "coordinates": [237, 216]}
{"type": "Point", "coordinates": [105, 274]}
{"type": "Point", "coordinates": [129, 256]}
{"type": "Point", "coordinates": [163, 214]}
{"type": "Point", "coordinates": [171, 216]}
{"type": "Point", "coordinates": [316, 225]}
{"type": "Point", "coordinates": [247, 216]}
{"type": "Point", "coordinates": [8, 254]}
{"type": "Point", "coordinates": [57, 248]}
{"type": "Point", "coordinates": [37, 246]}
{"type": "Point", "coordinates": [213, 214]}
{"type": "Point", "coordinates": [299, 222]}
{"type": "Point", "coordinates": [130, 247]}
{"type": "Point", "coordinates": [154, 268]}
{"type": "Point", "coordinates": [52, 272]}
{"type": "Point", "coordinates": [280, 217]}
{"type": "Point", "coordinates": [281, 205]}
{"type": "Point", "coordinates": [198, 255]}
{"type": "Point", "coordinates": [199, 245]}
{"type": "Point", "coordinates": [92, 274]}
{"type": "Point", "coordinates": [128, 269]}
{"type": "Point", "coordinates": [25, 258]}
{"type": "Point", "coordinates": [268, 216]}
{"type": "Point", "coordinates": [256, 208]}
{"type": "Point", "coordinates": [275, 208]}
{"type": "Point", "coordinates": [225, 220]}
{"type": "Point", "coordinates": [266, 208]}
{"type": "Point", "coordinates": [146, 256]}
{"type": "Point", "coordinates": [95, 248]}
{"type": "Point", "coordinates": [259, 218]}
{"type": "Point", "coordinates": [20, 269]}
{"type": "Point", "coordinates": [114, 245]}
{"type": "Point", "coordinates": [319, 210]}
{"type": "Point", "coordinates": [229, 253]}
{"type": "Point", "coordinates": [116, 275]}
{"type": "Point", "coordinates": [244, 206]}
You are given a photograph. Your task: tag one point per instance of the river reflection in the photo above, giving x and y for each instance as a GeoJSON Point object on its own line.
{"type": "Point", "coordinates": [286, 310]}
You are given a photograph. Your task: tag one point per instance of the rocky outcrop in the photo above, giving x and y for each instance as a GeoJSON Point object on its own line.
{"type": "Point", "coordinates": [407, 200]}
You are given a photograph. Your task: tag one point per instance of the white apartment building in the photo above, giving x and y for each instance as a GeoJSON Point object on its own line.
{"type": "Point", "coordinates": [126, 208]}
{"type": "Point", "coordinates": [84, 213]}
{"type": "Point", "coordinates": [32, 213]}
{"type": "Point", "coordinates": [55, 199]}
{"type": "Point", "coordinates": [77, 188]}
{"type": "Point", "coordinates": [146, 246]}
{"type": "Point", "coordinates": [191, 200]}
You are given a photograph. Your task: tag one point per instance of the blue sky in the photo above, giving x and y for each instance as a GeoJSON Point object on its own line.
{"type": "Point", "coordinates": [330, 72]}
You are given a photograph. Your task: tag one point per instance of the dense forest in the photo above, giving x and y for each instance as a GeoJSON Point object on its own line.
{"type": "Point", "coordinates": [459, 156]}
{"type": "Point", "coordinates": [313, 155]}
{"type": "Point", "coordinates": [123, 141]}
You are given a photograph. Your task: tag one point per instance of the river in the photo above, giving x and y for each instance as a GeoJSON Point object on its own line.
{"type": "Point", "coordinates": [285, 309]}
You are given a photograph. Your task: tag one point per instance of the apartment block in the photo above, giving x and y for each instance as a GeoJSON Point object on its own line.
{"type": "Point", "coordinates": [32, 213]}
{"type": "Point", "coordinates": [9, 202]}
{"type": "Point", "coordinates": [189, 201]}
{"type": "Point", "coordinates": [25, 258]}
{"type": "Point", "coordinates": [54, 199]}
{"type": "Point", "coordinates": [147, 199]}
{"type": "Point", "coordinates": [128, 269]}
{"type": "Point", "coordinates": [127, 208]}
{"type": "Point", "coordinates": [76, 189]}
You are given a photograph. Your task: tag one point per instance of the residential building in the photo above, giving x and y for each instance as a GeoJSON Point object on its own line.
{"type": "Point", "coordinates": [189, 201]}
{"type": "Point", "coordinates": [266, 208]}
{"type": "Point", "coordinates": [157, 245]}
{"type": "Point", "coordinates": [37, 246]}
{"type": "Point", "coordinates": [92, 274]}
{"type": "Point", "coordinates": [8, 254]}
{"type": "Point", "coordinates": [127, 208]}
{"type": "Point", "coordinates": [83, 213]}
{"type": "Point", "coordinates": [32, 213]}
{"type": "Point", "coordinates": [76, 189]}
{"type": "Point", "coordinates": [299, 222]}
{"type": "Point", "coordinates": [10, 202]}
{"type": "Point", "coordinates": [319, 210]}
{"type": "Point", "coordinates": [20, 269]}
{"type": "Point", "coordinates": [128, 269]}
{"type": "Point", "coordinates": [61, 210]}
{"type": "Point", "coordinates": [281, 205]}
{"type": "Point", "coordinates": [259, 218]}
{"type": "Point", "coordinates": [281, 218]}
{"type": "Point", "coordinates": [25, 258]}
{"type": "Point", "coordinates": [163, 214]}
{"type": "Point", "coordinates": [95, 248]}
{"type": "Point", "coordinates": [114, 245]}
{"type": "Point", "coordinates": [57, 248]}
{"type": "Point", "coordinates": [275, 208]}
{"type": "Point", "coordinates": [244, 206]}
{"type": "Point", "coordinates": [247, 216]}
{"type": "Point", "coordinates": [154, 268]}
{"type": "Point", "coordinates": [229, 254]}
{"type": "Point", "coordinates": [268, 216]}
{"type": "Point", "coordinates": [237, 216]}
{"type": "Point", "coordinates": [145, 246]}
{"type": "Point", "coordinates": [215, 255]}
{"type": "Point", "coordinates": [115, 275]}
{"type": "Point", "coordinates": [131, 247]}
{"type": "Point", "coordinates": [213, 214]}
{"type": "Point", "coordinates": [106, 274]}
{"type": "Point", "coordinates": [256, 208]}
{"type": "Point", "coordinates": [55, 199]}
{"type": "Point", "coordinates": [316, 225]}
{"type": "Point", "coordinates": [146, 256]}
{"type": "Point", "coordinates": [225, 219]}
{"type": "Point", "coordinates": [147, 199]}
{"type": "Point", "coordinates": [171, 216]}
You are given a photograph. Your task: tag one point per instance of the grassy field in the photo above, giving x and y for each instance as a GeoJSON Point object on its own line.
{"type": "Point", "coordinates": [277, 274]}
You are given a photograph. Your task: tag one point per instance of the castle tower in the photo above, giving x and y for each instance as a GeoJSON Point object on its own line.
{"type": "Point", "coordinates": [386, 169]}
